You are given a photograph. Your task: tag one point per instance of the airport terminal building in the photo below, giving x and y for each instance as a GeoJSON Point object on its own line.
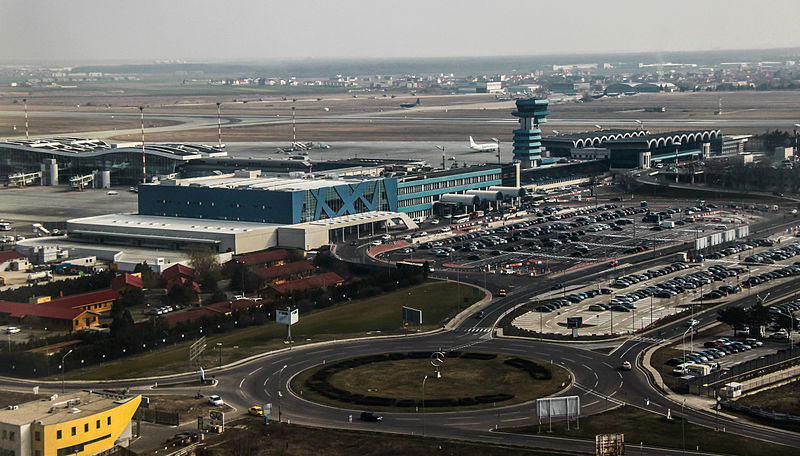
{"type": "Point", "coordinates": [81, 156]}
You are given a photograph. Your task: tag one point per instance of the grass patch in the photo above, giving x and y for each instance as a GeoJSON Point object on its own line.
{"type": "Point", "coordinates": [379, 315]}
{"type": "Point", "coordinates": [652, 430]}
{"type": "Point", "coordinates": [250, 436]}
{"type": "Point", "coordinates": [461, 377]}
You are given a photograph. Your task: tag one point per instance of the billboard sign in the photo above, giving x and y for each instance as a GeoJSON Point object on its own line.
{"type": "Point", "coordinates": [552, 407]}
{"type": "Point", "coordinates": [609, 444]}
{"type": "Point", "coordinates": [574, 322]}
{"type": "Point", "coordinates": [411, 315]}
{"type": "Point", "coordinates": [287, 317]}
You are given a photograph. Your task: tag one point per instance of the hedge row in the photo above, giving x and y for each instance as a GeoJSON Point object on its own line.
{"type": "Point", "coordinates": [536, 371]}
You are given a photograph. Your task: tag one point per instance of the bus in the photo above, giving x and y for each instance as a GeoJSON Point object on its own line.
{"type": "Point", "coordinates": [459, 219]}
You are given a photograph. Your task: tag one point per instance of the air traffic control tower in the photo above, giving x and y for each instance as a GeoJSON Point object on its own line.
{"type": "Point", "coordinates": [528, 138]}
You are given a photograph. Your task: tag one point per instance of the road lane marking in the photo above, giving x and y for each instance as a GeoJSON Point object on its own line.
{"type": "Point", "coordinates": [515, 419]}
{"type": "Point", "coordinates": [251, 373]}
{"type": "Point", "coordinates": [241, 383]}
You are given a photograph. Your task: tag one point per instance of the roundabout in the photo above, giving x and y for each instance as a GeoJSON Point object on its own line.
{"type": "Point", "coordinates": [453, 381]}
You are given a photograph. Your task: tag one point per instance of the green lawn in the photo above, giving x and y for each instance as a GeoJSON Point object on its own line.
{"type": "Point", "coordinates": [652, 430]}
{"type": "Point", "coordinates": [461, 377]}
{"type": "Point", "coordinates": [378, 315]}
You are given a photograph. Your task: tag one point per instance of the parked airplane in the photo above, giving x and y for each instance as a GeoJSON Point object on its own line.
{"type": "Point", "coordinates": [409, 105]}
{"type": "Point", "coordinates": [485, 147]}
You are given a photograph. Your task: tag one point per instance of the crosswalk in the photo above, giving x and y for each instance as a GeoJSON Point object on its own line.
{"type": "Point", "coordinates": [475, 330]}
{"type": "Point", "coordinates": [655, 340]}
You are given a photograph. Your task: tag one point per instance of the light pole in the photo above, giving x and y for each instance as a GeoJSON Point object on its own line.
{"type": "Point", "coordinates": [676, 144]}
{"type": "Point", "coordinates": [423, 405]}
{"type": "Point", "coordinates": [279, 391]}
{"type": "Point", "coordinates": [683, 343]}
{"type": "Point", "coordinates": [499, 160]}
{"type": "Point", "coordinates": [443, 157]}
{"type": "Point", "coordinates": [791, 328]}
{"type": "Point", "coordinates": [62, 369]}
{"type": "Point", "coordinates": [219, 354]}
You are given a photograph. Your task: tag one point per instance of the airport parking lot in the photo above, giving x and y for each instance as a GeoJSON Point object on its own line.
{"type": "Point", "coordinates": [554, 239]}
{"type": "Point", "coordinates": [635, 301]}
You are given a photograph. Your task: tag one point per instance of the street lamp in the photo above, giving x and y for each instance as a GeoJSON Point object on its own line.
{"type": "Point", "coordinates": [791, 327]}
{"type": "Point", "coordinates": [62, 369]}
{"type": "Point", "coordinates": [683, 343]}
{"type": "Point", "coordinates": [219, 354]}
{"type": "Point", "coordinates": [423, 405]}
{"type": "Point", "coordinates": [279, 391]}
{"type": "Point", "coordinates": [499, 161]}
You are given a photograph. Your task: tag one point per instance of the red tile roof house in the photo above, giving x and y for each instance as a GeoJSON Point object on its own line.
{"type": "Point", "coordinates": [325, 280]}
{"type": "Point", "coordinates": [284, 272]}
{"type": "Point", "coordinates": [44, 316]}
{"type": "Point", "coordinates": [125, 282]}
{"type": "Point", "coordinates": [268, 258]}
{"type": "Point", "coordinates": [72, 313]}
{"type": "Point", "coordinates": [179, 274]}
{"type": "Point", "coordinates": [219, 308]}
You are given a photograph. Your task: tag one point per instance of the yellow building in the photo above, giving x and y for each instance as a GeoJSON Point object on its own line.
{"type": "Point", "coordinates": [76, 424]}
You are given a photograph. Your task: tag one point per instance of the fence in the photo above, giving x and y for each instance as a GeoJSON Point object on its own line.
{"type": "Point", "coordinates": [760, 367]}
{"type": "Point", "coordinates": [159, 416]}
{"type": "Point", "coordinates": [761, 413]}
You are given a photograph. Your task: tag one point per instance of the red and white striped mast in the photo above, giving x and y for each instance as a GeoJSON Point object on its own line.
{"type": "Point", "coordinates": [25, 102]}
{"type": "Point", "coordinates": [144, 163]}
{"type": "Point", "coordinates": [219, 128]}
{"type": "Point", "coordinates": [294, 132]}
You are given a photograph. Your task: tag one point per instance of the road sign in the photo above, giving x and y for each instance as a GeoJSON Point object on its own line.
{"type": "Point", "coordinates": [197, 348]}
{"type": "Point", "coordinates": [574, 322]}
{"type": "Point", "coordinates": [609, 444]}
{"type": "Point", "coordinates": [217, 418]}
{"type": "Point", "coordinates": [412, 315]}
{"type": "Point", "coordinates": [287, 317]}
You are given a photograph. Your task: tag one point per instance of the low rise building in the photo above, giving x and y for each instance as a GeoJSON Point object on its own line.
{"type": "Point", "coordinates": [75, 424]}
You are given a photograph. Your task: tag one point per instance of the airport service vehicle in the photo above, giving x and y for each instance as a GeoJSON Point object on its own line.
{"type": "Point", "coordinates": [410, 105]}
{"type": "Point", "coordinates": [482, 147]}
{"type": "Point", "coordinates": [698, 369]}
{"type": "Point", "coordinates": [39, 276]}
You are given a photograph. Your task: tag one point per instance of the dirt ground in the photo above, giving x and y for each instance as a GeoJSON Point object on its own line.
{"type": "Point", "coordinates": [784, 399]}
{"type": "Point", "coordinates": [12, 398]}
{"type": "Point", "coordinates": [186, 406]}
{"type": "Point", "coordinates": [251, 437]}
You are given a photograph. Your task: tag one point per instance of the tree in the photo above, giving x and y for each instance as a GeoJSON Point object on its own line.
{"type": "Point", "coordinates": [121, 323]}
{"type": "Point", "coordinates": [736, 317]}
{"type": "Point", "coordinates": [132, 297]}
{"type": "Point", "coordinates": [205, 263]}
{"type": "Point", "coordinates": [182, 294]}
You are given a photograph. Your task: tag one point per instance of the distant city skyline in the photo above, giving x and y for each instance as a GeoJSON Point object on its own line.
{"type": "Point", "coordinates": [205, 30]}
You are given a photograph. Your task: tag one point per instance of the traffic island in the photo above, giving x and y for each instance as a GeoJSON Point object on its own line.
{"type": "Point", "coordinates": [394, 382]}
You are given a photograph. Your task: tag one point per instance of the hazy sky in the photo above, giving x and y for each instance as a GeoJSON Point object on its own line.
{"type": "Point", "coordinates": [263, 29]}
